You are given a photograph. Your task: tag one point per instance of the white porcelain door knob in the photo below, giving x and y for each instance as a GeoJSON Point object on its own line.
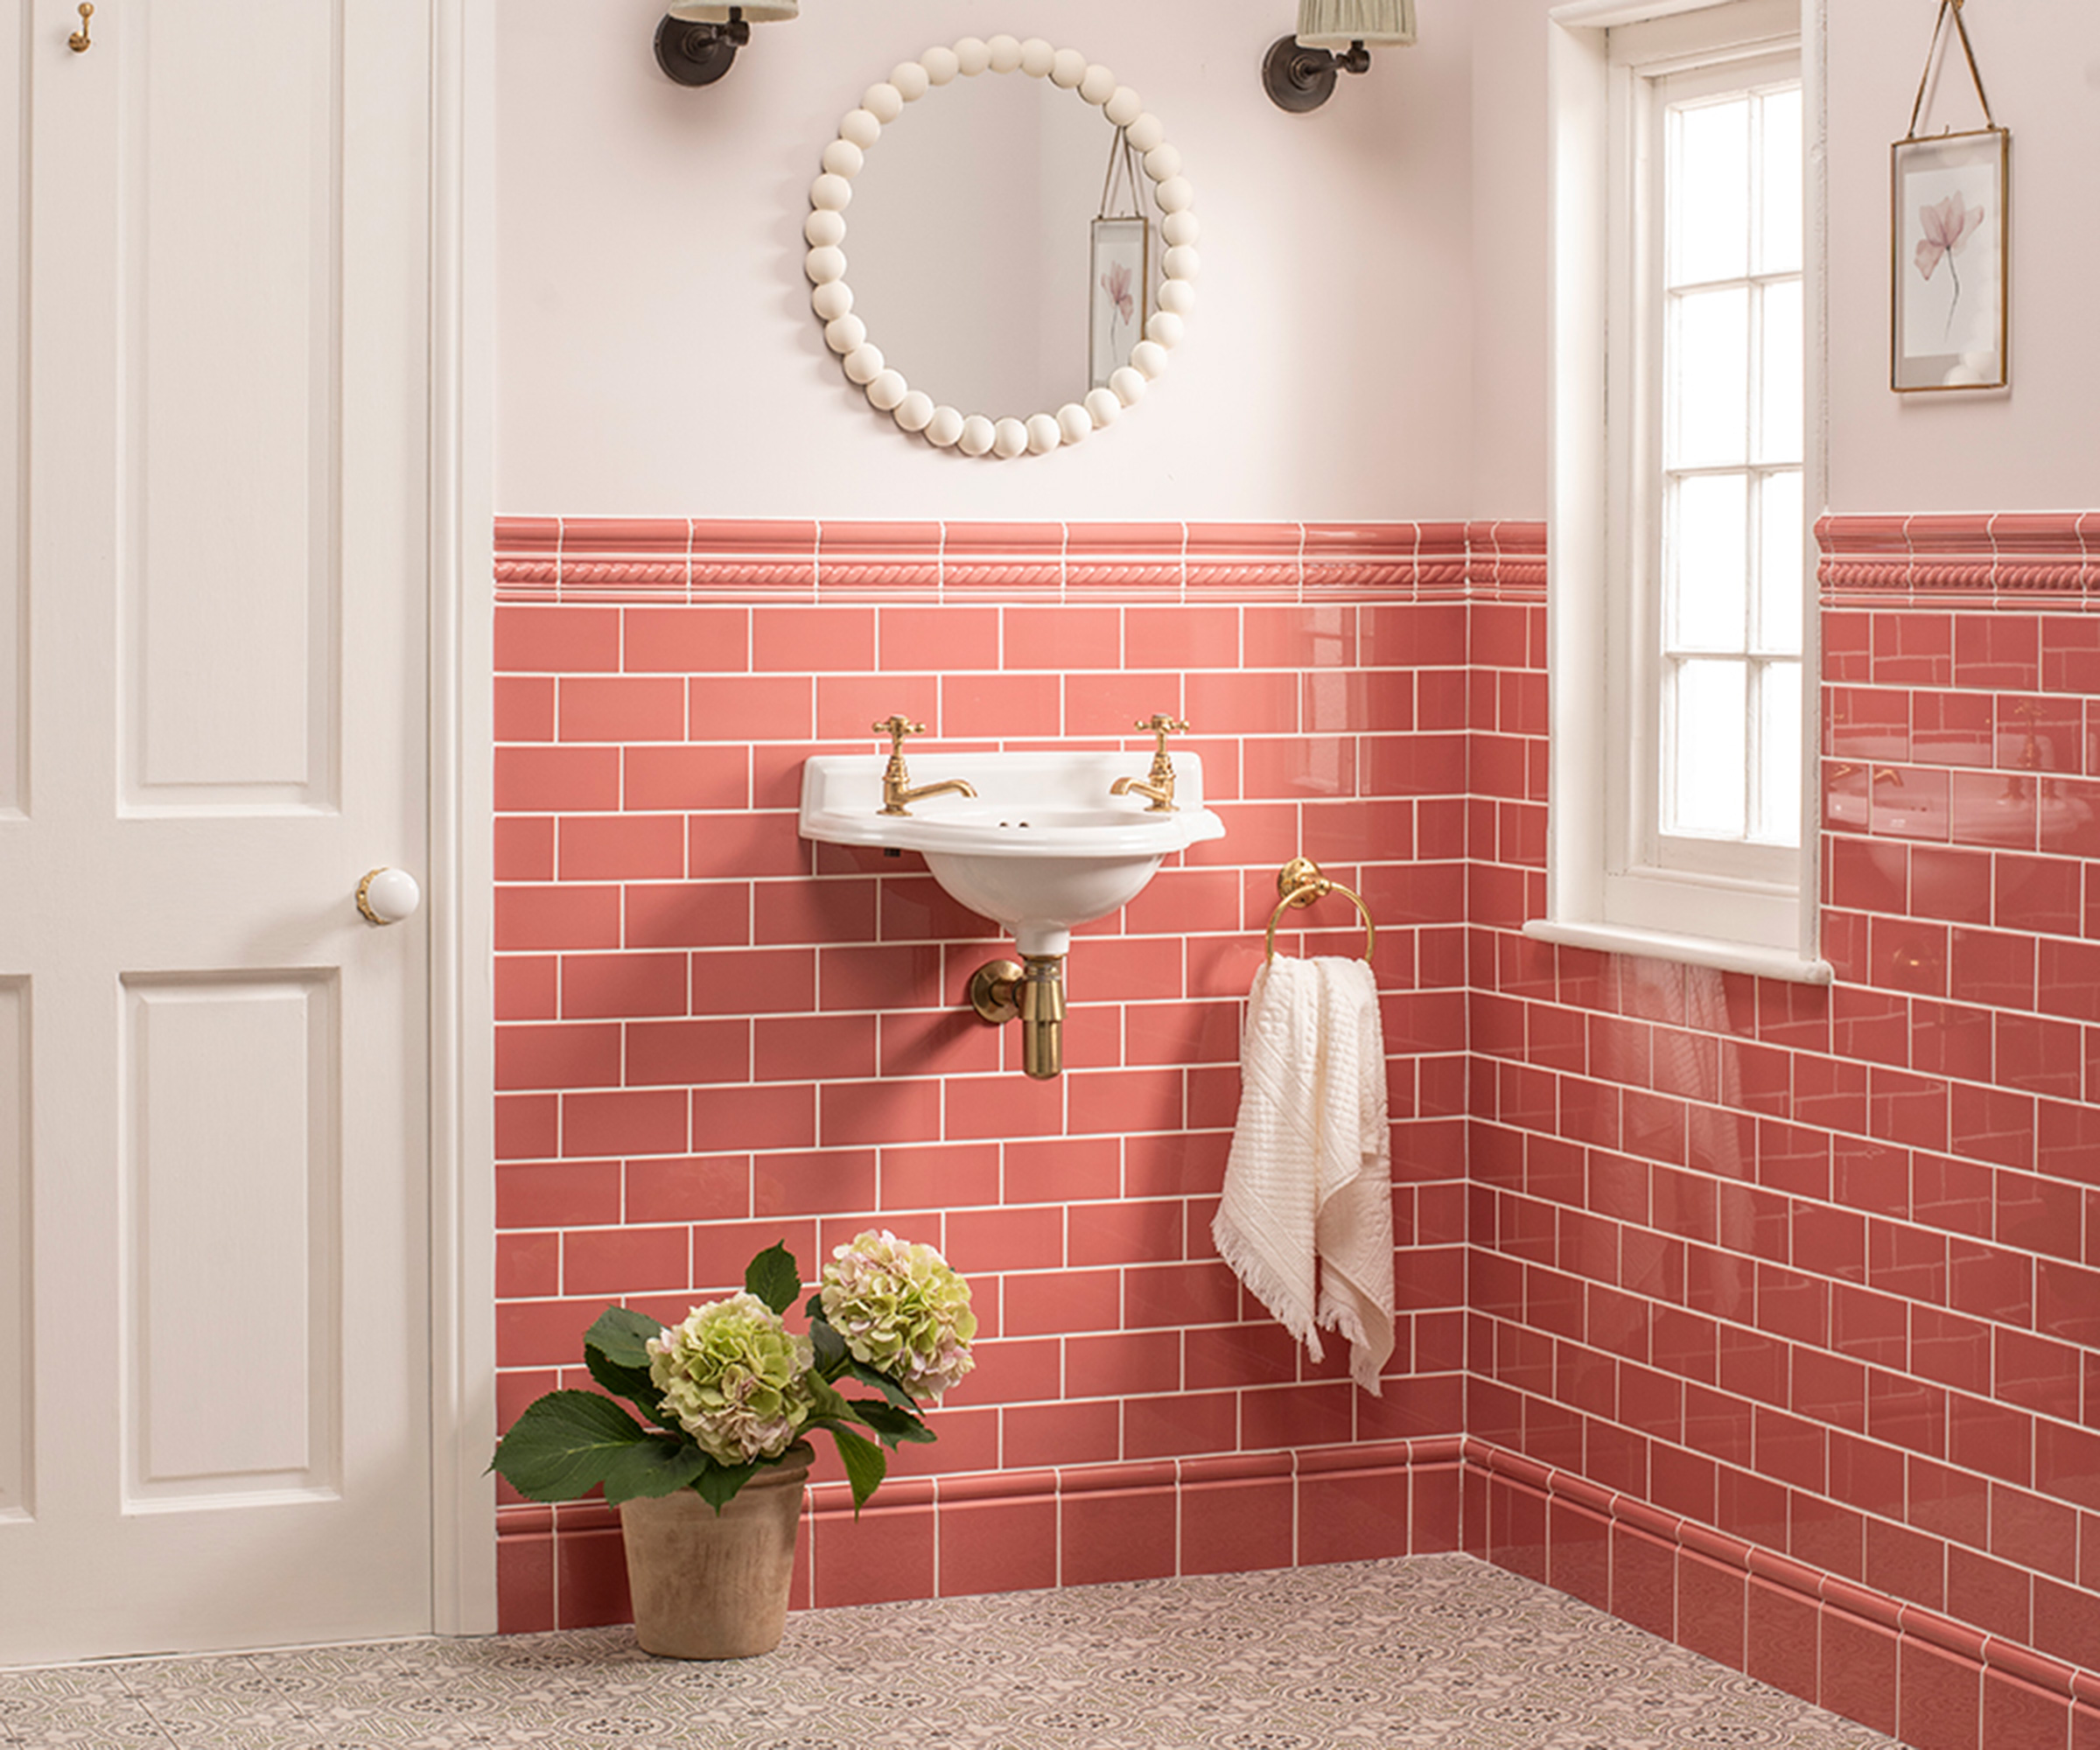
{"type": "Point", "coordinates": [386, 896]}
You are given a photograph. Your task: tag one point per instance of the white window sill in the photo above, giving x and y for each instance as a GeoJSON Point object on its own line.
{"type": "Point", "coordinates": [1692, 950]}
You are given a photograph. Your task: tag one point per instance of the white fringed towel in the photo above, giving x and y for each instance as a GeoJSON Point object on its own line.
{"type": "Point", "coordinates": [1307, 1216]}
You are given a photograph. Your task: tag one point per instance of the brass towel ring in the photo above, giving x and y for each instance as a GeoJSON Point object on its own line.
{"type": "Point", "coordinates": [1300, 883]}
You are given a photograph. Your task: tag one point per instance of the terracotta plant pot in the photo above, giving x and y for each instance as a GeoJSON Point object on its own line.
{"type": "Point", "coordinates": [716, 1587]}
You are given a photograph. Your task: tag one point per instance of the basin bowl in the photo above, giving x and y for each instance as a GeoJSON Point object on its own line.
{"type": "Point", "coordinates": [1040, 848]}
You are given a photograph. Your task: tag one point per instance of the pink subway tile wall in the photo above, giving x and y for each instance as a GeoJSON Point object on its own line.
{"type": "Point", "coordinates": [1778, 1305]}
{"type": "Point", "coordinates": [713, 1034]}
{"type": "Point", "coordinates": [1784, 1301]}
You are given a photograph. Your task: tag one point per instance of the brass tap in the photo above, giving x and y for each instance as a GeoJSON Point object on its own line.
{"type": "Point", "coordinates": [1159, 781]}
{"type": "Point", "coordinates": [897, 783]}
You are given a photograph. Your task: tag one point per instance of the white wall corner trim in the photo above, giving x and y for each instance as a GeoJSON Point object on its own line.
{"type": "Point", "coordinates": [462, 1324]}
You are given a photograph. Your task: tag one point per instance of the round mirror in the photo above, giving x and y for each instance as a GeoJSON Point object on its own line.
{"type": "Point", "coordinates": [1030, 327]}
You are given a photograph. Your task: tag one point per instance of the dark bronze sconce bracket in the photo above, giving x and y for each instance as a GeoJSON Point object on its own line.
{"type": "Point", "coordinates": [700, 53]}
{"type": "Point", "coordinates": [1298, 79]}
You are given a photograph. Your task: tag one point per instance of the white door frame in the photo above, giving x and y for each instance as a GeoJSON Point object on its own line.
{"type": "Point", "coordinates": [462, 1097]}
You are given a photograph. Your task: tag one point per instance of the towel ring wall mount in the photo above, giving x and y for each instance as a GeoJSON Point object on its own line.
{"type": "Point", "coordinates": [1301, 884]}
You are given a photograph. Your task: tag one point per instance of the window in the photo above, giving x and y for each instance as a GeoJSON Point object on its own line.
{"type": "Point", "coordinates": [1682, 461]}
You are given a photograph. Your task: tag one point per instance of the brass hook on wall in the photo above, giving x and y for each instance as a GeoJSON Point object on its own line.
{"type": "Point", "coordinates": [78, 41]}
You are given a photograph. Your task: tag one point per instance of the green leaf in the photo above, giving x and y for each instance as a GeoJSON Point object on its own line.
{"type": "Point", "coordinates": [566, 1445]}
{"type": "Point", "coordinates": [885, 1384]}
{"type": "Point", "coordinates": [891, 1423]}
{"type": "Point", "coordinates": [621, 1335]}
{"type": "Point", "coordinates": [633, 1383]}
{"type": "Point", "coordinates": [830, 1346]}
{"type": "Point", "coordinates": [773, 1278]}
{"type": "Point", "coordinates": [719, 1483]}
{"type": "Point", "coordinates": [866, 1465]}
{"type": "Point", "coordinates": [826, 1404]}
{"type": "Point", "coordinates": [657, 1465]}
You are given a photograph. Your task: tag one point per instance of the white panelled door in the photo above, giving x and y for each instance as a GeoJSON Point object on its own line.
{"type": "Point", "coordinates": [214, 576]}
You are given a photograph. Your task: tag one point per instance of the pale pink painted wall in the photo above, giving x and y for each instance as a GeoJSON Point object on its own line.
{"type": "Point", "coordinates": [1371, 340]}
{"type": "Point", "coordinates": [655, 350]}
{"type": "Point", "coordinates": [2037, 446]}
{"type": "Point", "coordinates": [2034, 447]}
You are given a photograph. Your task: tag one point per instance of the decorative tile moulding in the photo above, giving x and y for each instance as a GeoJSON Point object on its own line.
{"type": "Point", "coordinates": [545, 559]}
{"type": "Point", "coordinates": [1764, 1318]}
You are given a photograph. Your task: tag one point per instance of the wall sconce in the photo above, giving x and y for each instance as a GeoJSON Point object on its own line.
{"type": "Point", "coordinates": [696, 42]}
{"type": "Point", "coordinates": [1332, 36]}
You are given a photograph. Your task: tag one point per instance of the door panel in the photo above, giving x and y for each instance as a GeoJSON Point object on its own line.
{"type": "Point", "coordinates": [220, 1155]}
{"type": "Point", "coordinates": [14, 601]}
{"type": "Point", "coordinates": [230, 235]}
{"type": "Point", "coordinates": [231, 1197]}
{"type": "Point", "coordinates": [15, 1283]}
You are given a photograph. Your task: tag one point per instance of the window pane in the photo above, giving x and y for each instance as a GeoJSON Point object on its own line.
{"type": "Point", "coordinates": [1780, 563]}
{"type": "Point", "coordinates": [1709, 376]}
{"type": "Point", "coordinates": [1708, 192]}
{"type": "Point", "coordinates": [1709, 563]}
{"type": "Point", "coordinates": [1779, 179]}
{"type": "Point", "coordinates": [1780, 412]}
{"type": "Point", "coordinates": [1710, 724]}
{"type": "Point", "coordinates": [1779, 751]}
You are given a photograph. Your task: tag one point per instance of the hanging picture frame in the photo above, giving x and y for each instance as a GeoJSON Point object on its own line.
{"type": "Point", "coordinates": [1121, 276]}
{"type": "Point", "coordinates": [1950, 245]}
{"type": "Point", "coordinates": [1951, 235]}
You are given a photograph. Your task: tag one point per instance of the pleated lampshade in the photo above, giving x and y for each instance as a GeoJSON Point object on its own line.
{"type": "Point", "coordinates": [758, 11]}
{"type": "Point", "coordinates": [1337, 24]}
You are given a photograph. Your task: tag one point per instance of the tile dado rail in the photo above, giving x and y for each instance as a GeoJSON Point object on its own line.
{"type": "Point", "coordinates": [1977, 560]}
{"type": "Point", "coordinates": [564, 559]}
{"type": "Point", "coordinates": [2045, 556]}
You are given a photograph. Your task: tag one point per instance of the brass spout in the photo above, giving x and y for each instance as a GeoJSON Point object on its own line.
{"type": "Point", "coordinates": [895, 796]}
{"type": "Point", "coordinates": [1158, 783]}
{"type": "Point", "coordinates": [1034, 994]}
{"type": "Point", "coordinates": [897, 789]}
{"type": "Point", "coordinates": [1162, 795]}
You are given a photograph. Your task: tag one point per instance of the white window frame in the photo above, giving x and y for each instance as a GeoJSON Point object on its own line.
{"type": "Point", "coordinates": [1607, 886]}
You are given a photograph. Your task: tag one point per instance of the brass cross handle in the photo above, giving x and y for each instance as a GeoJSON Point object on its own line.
{"type": "Point", "coordinates": [79, 42]}
{"type": "Point", "coordinates": [897, 728]}
{"type": "Point", "coordinates": [1161, 725]}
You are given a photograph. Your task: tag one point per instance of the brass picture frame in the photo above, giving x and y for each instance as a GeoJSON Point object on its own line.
{"type": "Point", "coordinates": [1951, 260]}
{"type": "Point", "coordinates": [1119, 301]}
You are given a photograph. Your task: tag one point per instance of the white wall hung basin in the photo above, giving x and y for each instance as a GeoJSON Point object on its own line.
{"type": "Point", "coordinates": [1041, 848]}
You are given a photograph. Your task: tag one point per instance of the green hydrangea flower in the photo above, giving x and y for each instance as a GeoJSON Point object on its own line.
{"type": "Point", "coordinates": [735, 1378]}
{"type": "Point", "coordinates": [901, 1311]}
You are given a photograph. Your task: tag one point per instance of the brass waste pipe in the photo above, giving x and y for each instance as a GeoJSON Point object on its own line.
{"type": "Point", "coordinates": [1034, 993]}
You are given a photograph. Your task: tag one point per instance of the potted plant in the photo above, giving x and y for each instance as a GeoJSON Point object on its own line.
{"type": "Point", "coordinates": [710, 1484]}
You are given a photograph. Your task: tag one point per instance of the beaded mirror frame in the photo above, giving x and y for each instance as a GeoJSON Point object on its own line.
{"type": "Point", "coordinates": [944, 426]}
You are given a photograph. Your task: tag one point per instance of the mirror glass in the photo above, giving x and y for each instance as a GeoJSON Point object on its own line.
{"type": "Point", "coordinates": [970, 243]}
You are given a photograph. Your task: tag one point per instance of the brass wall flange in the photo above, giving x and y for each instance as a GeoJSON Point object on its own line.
{"type": "Point", "coordinates": [994, 988]}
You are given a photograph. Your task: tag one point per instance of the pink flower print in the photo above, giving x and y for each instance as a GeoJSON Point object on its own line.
{"type": "Point", "coordinates": [1116, 283]}
{"type": "Point", "coordinates": [1947, 226]}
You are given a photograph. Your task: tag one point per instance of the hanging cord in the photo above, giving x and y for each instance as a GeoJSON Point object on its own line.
{"type": "Point", "coordinates": [1925, 78]}
{"type": "Point", "coordinates": [1123, 167]}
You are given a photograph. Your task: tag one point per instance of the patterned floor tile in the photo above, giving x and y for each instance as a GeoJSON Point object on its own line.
{"type": "Point", "coordinates": [1443, 1653]}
